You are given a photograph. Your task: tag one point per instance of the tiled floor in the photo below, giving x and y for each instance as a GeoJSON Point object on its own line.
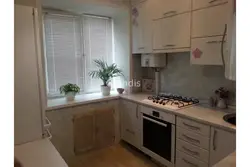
{"type": "Point", "coordinates": [120, 155]}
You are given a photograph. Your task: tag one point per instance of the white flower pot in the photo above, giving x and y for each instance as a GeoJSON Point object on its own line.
{"type": "Point", "coordinates": [70, 96]}
{"type": "Point", "coordinates": [105, 90]}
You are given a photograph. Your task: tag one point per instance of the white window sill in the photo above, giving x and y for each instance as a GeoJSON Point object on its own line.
{"type": "Point", "coordinates": [58, 103]}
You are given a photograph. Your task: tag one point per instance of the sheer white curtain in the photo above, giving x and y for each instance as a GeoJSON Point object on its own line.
{"type": "Point", "coordinates": [97, 45]}
{"type": "Point", "coordinates": [71, 44]}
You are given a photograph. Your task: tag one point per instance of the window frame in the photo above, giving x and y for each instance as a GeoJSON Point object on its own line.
{"type": "Point", "coordinates": [81, 18]}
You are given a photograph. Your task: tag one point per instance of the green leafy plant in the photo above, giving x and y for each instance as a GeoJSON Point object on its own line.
{"type": "Point", "coordinates": [69, 88]}
{"type": "Point", "coordinates": [105, 72]}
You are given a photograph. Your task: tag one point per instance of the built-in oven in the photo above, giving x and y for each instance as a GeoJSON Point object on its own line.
{"type": "Point", "coordinates": [158, 136]}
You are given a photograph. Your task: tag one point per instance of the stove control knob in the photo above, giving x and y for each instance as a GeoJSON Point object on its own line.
{"type": "Point", "coordinates": [153, 101]}
{"type": "Point", "coordinates": [157, 101]}
{"type": "Point", "coordinates": [163, 103]}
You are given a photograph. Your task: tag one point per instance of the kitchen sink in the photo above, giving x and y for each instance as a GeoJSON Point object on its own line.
{"type": "Point", "coordinates": [230, 118]}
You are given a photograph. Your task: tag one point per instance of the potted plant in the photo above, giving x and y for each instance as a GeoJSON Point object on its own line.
{"type": "Point", "coordinates": [70, 90]}
{"type": "Point", "coordinates": [105, 72]}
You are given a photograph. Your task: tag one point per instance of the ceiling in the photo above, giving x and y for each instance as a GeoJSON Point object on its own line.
{"type": "Point", "coordinates": [108, 8]}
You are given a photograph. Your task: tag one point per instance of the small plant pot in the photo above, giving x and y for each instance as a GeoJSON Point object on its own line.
{"type": "Point", "coordinates": [105, 90]}
{"type": "Point", "coordinates": [70, 96]}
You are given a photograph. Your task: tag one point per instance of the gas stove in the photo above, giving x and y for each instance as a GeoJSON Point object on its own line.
{"type": "Point", "coordinates": [171, 101]}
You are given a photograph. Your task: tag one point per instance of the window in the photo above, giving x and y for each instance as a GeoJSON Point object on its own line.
{"type": "Point", "coordinates": [71, 44]}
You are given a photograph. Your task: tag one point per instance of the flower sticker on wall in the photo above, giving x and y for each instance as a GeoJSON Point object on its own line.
{"type": "Point", "coordinates": [135, 14]}
{"type": "Point", "coordinates": [197, 53]}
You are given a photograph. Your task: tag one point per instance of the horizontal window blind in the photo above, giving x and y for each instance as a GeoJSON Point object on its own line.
{"type": "Point", "coordinates": [64, 56]}
{"type": "Point", "coordinates": [97, 45]}
{"type": "Point", "coordinates": [71, 44]}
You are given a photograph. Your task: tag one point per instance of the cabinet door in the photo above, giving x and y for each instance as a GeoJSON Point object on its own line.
{"type": "Point", "coordinates": [130, 123]}
{"type": "Point", "coordinates": [141, 28]}
{"type": "Point", "coordinates": [176, 31]}
{"type": "Point", "coordinates": [210, 21]}
{"type": "Point", "coordinates": [105, 127]}
{"type": "Point", "coordinates": [157, 34]}
{"type": "Point", "coordinates": [222, 144]}
{"type": "Point", "coordinates": [197, 4]}
{"type": "Point", "coordinates": [137, 29]}
{"type": "Point", "coordinates": [84, 132]}
{"type": "Point", "coordinates": [207, 51]}
{"type": "Point", "coordinates": [167, 8]}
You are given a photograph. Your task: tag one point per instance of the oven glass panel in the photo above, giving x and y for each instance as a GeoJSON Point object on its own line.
{"type": "Point", "coordinates": [157, 138]}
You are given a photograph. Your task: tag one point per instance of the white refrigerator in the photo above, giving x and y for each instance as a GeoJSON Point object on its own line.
{"type": "Point", "coordinates": [28, 112]}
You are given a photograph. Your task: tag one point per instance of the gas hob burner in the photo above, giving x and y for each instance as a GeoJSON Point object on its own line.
{"type": "Point", "coordinates": [172, 100]}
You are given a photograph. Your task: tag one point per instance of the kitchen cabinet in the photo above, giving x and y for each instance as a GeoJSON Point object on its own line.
{"type": "Point", "coordinates": [130, 123]}
{"type": "Point", "coordinates": [167, 8]}
{"type": "Point", "coordinates": [210, 21]}
{"type": "Point", "coordinates": [172, 32]}
{"type": "Point", "coordinates": [93, 129]}
{"type": "Point", "coordinates": [207, 51]}
{"type": "Point", "coordinates": [198, 4]}
{"type": "Point", "coordinates": [141, 29]}
{"type": "Point", "coordinates": [222, 144]}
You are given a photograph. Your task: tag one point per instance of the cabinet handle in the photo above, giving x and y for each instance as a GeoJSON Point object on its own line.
{"type": "Point", "coordinates": [214, 140]}
{"type": "Point", "coordinates": [191, 126]}
{"type": "Point", "coordinates": [170, 12]}
{"type": "Point", "coordinates": [141, 48]}
{"type": "Point", "coordinates": [137, 111]}
{"type": "Point", "coordinates": [215, 42]}
{"type": "Point", "coordinates": [190, 163]}
{"type": "Point", "coordinates": [191, 139]}
{"type": "Point", "coordinates": [190, 151]}
{"type": "Point", "coordinates": [169, 45]}
{"type": "Point", "coordinates": [213, 1]}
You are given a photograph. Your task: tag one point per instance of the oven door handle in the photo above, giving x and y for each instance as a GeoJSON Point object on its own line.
{"type": "Point", "coordinates": [152, 120]}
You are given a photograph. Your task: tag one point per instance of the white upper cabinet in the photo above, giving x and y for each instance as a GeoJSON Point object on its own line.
{"type": "Point", "coordinates": [207, 51]}
{"type": "Point", "coordinates": [197, 4]}
{"type": "Point", "coordinates": [164, 8]}
{"type": "Point", "coordinates": [141, 29]}
{"type": "Point", "coordinates": [172, 32]}
{"type": "Point", "coordinates": [210, 21]}
{"type": "Point", "coordinates": [176, 31]}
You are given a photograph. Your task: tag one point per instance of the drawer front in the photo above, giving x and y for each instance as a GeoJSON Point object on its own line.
{"type": "Point", "coordinates": [192, 138]}
{"type": "Point", "coordinates": [130, 136]}
{"type": "Point", "coordinates": [210, 21]}
{"type": "Point", "coordinates": [162, 115]}
{"type": "Point", "coordinates": [210, 51]}
{"type": "Point", "coordinates": [193, 126]}
{"type": "Point", "coordinates": [192, 150]}
{"type": "Point", "coordinates": [197, 4]}
{"type": "Point", "coordinates": [184, 160]}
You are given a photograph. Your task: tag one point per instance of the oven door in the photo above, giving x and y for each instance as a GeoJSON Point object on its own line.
{"type": "Point", "coordinates": [158, 139]}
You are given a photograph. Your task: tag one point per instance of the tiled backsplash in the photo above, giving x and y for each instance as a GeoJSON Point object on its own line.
{"type": "Point", "coordinates": [180, 77]}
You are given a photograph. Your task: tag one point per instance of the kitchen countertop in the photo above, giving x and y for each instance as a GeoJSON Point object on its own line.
{"type": "Point", "coordinates": [229, 161]}
{"type": "Point", "coordinates": [201, 112]}
{"type": "Point", "coordinates": [198, 112]}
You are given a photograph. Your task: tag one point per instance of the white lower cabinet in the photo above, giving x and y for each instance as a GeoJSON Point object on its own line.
{"type": "Point", "coordinates": [130, 123]}
{"type": "Point", "coordinates": [222, 144]}
{"type": "Point", "coordinates": [185, 160]}
{"type": "Point", "coordinates": [195, 148]}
